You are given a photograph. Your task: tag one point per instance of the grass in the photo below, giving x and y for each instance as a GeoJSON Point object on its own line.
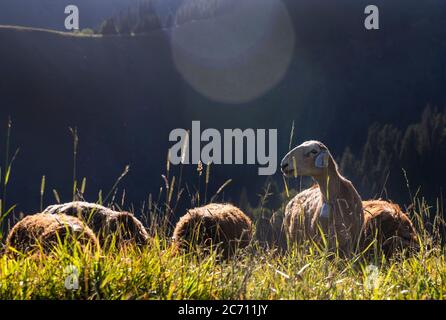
{"type": "Point", "coordinates": [158, 271]}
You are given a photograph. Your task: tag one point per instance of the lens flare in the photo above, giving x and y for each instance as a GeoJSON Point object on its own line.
{"type": "Point", "coordinates": [237, 55]}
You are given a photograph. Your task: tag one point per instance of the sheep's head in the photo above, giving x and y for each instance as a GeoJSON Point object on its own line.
{"type": "Point", "coordinates": [394, 229]}
{"type": "Point", "coordinates": [398, 231]}
{"type": "Point", "coordinates": [310, 158]}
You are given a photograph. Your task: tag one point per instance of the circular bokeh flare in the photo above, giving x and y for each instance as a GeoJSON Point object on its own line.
{"type": "Point", "coordinates": [236, 56]}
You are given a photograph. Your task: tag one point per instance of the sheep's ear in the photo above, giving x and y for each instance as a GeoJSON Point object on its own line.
{"type": "Point", "coordinates": [321, 160]}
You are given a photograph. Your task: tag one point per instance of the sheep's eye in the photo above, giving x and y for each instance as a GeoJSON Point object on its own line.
{"type": "Point", "coordinates": [312, 152]}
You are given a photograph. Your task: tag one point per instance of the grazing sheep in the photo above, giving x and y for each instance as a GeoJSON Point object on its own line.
{"type": "Point", "coordinates": [332, 206]}
{"type": "Point", "coordinates": [392, 228]}
{"type": "Point", "coordinates": [105, 222]}
{"type": "Point", "coordinates": [45, 231]}
{"type": "Point", "coordinates": [214, 224]}
{"type": "Point", "coordinates": [269, 232]}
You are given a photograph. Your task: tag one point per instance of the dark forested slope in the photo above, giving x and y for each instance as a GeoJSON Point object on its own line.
{"type": "Point", "coordinates": [125, 94]}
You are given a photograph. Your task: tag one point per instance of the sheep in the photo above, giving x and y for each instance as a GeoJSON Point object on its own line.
{"type": "Point", "coordinates": [45, 231]}
{"type": "Point", "coordinates": [269, 232]}
{"type": "Point", "coordinates": [105, 222]}
{"type": "Point", "coordinates": [390, 225]}
{"type": "Point", "coordinates": [332, 205]}
{"type": "Point", "coordinates": [223, 225]}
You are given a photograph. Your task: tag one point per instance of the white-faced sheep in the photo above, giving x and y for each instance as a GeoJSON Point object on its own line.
{"type": "Point", "coordinates": [221, 225]}
{"type": "Point", "coordinates": [390, 226]}
{"type": "Point", "coordinates": [45, 231]}
{"type": "Point", "coordinates": [333, 206]}
{"type": "Point", "coordinates": [105, 223]}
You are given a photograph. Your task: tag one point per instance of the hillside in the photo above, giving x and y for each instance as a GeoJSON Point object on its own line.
{"type": "Point", "coordinates": [100, 85]}
{"type": "Point", "coordinates": [50, 14]}
{"type": "Point", "coordinates": [125, 94]}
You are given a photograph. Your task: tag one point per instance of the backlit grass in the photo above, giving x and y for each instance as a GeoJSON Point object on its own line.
{"type": "Point", "coordinates": [158, 271]}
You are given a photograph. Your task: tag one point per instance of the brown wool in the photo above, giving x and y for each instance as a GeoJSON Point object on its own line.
{"type": "Point", "coordinates": [391, 227]}
{"type": "Point", "coordinates": [214, 224]}
{"type": "Point", "coordinates": [105, 223]}
{"type": "Point", "coordinates": [45, 231]}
